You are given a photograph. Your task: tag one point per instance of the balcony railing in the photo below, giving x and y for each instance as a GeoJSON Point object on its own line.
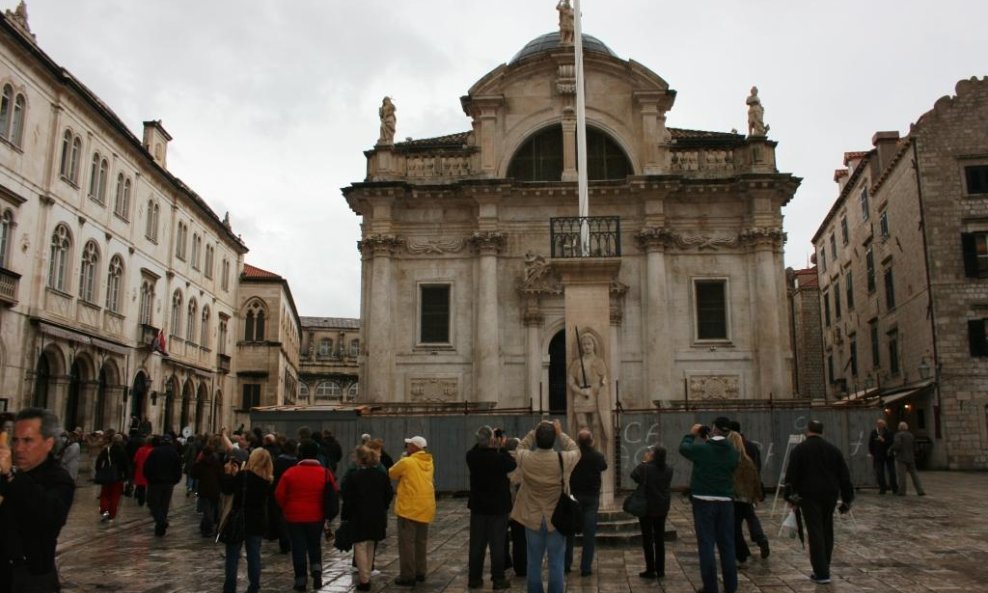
{"type": "Point", "coordinates": [8, 287]}
{"type": "Point", "coordinates": [223, 363]}
{"type": "Point", "coordinates": [602, 236]}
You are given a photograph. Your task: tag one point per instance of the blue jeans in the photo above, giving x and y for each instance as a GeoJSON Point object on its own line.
{"type": "Point", "coordinates": [539, 543]}
{"type": "Point", "coordinates": [589, 506]}
{"type": "Point", "coordinates": [714, 524]}
{"type": "Point", "coordinates": [306, 539]}
{"type": "Point", "coordinates": [253, 545]}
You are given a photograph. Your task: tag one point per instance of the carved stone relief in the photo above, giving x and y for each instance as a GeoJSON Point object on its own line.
{"type": "Point", "coordinates": [715, 387]}
{"type": "Point", "coordinates": [433, 389]}
{"type": "Point", "coordinates": [435, 246]}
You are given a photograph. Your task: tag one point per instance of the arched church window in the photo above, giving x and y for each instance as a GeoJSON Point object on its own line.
{"type": "Point", "coordinates": [541, 157]}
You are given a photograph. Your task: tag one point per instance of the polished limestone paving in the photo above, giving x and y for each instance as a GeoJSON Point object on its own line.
{"type": "Point", "coordinates": [909, 544]}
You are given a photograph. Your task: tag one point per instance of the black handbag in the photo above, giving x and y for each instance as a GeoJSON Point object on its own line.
{"type": "Point", "coordinates": [566, 515]}
{"type": "Point", "coordinates": [233, 530]}
{"type": "Point", "coordinates": [343, 538]}
{"type": "Point", "coordinates": [636, 504]}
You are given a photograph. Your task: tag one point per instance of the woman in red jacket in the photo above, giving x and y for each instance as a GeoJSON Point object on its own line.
{"type": "Point", "coordinates": [307, 495]}
{"type": "Point", "coordinates": [140, 482]}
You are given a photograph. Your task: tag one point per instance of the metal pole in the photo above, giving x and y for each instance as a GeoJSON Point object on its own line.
{"type": "Point", "coordinates": [581, 131]}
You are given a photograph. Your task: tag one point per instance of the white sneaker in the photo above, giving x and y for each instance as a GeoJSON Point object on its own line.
{"type": "Point", "coordinates": [375, 572]}
{"type": "Point", "coordinates": [104, 516]}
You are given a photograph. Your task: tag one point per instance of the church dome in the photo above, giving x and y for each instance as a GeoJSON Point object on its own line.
{"type": "Point", "coordinates": [550, 42]}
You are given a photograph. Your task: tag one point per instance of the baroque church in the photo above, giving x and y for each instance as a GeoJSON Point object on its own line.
{"type": "Point", "coordinates": [478, 274]}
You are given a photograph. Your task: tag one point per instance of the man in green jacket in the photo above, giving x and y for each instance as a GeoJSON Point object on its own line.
{"type": "Point", "coordinates": [712, 494]}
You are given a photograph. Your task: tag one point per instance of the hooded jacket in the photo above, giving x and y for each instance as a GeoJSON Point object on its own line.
{"type": "Point", "coordinates": [416, 492]}
{"type": "Point", "coordinates": [714, 462]}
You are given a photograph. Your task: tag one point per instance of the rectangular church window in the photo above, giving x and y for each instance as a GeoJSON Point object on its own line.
{"type": "Point", "coordinates": [711, 309]}
{"type": "Point", "coordinates": [434, 314]}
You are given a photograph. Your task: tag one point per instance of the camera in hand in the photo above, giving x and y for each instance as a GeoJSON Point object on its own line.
{"type": "Point", "coordinates": [704, 432]}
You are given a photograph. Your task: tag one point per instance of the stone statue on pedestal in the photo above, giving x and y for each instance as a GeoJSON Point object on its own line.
{"type": "Point", "coordinates": [756, 114]}
{"type": "Point", "coordinates": [566, 24]}
{"type": "Point", "coordinates": [387, 114]}
{"type": "Point", "coordinates": [586, 379]}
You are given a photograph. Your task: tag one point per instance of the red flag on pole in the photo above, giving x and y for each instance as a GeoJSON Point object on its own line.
{"type": "Point", "coordinates": [158, 343]}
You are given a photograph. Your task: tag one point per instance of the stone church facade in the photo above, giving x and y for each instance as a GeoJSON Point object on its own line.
{"type": "Point", "coordinates": [474, 276]}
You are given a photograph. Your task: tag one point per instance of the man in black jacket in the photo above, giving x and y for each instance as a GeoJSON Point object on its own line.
{"type": "Point", "coordinates": [816, 475]}
{"type": "Point", "coordinates": [584, 485]}
{"type": "Point", "coordinates": [163, 469]}
{"type": "Point", "coordinates": [34, 503]}
{"type": "Point", "coordinates": [489, 504]}
{"type": "Point", "coordinates": [879, 442]}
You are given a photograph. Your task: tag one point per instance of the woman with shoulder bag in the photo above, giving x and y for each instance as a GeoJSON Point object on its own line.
{"type": "Point", "coordinates": [366, 495]}
{"type": "Point", "coordinates": [111, 471]}
{"type": "Point", "coordinates": [250, 489]}
{"type": "Point", "coordinates": [302, 494]}
{"type": "Point", "coordinates": [747, 491]}
{"type": "Point", "coordinates": [655, 476]}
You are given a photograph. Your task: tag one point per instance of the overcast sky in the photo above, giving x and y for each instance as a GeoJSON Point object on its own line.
{"type": "Point", "coordinates": [271, 103]}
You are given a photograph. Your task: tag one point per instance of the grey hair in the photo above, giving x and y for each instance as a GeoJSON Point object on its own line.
{"type": "Point", "coordinates": [50, 426]}
{"type": "Point", "coordinates": [903, 426]}
{"type": "Point", "coordinates": [484, 435]}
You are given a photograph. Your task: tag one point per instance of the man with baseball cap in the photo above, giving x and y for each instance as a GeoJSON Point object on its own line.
{"type": "Point", "coordinates": [415, 505]}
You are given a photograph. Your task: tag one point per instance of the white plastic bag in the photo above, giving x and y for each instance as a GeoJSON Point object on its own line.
{"type": "Point", "coordinates": [789, 525]}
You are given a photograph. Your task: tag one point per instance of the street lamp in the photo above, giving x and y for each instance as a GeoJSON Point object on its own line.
{"type": "Point", "coordinates": [924, 368]}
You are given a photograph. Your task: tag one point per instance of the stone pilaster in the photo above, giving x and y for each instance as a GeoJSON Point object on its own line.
{"type": "Point", "coordinates": [378, 250]}
{"type": "Point", "coordinates": [770, 338]}
{"type": "Point", "coordinates": [487, 342]}
{"type": "Point", "coordinates": [658, 353]}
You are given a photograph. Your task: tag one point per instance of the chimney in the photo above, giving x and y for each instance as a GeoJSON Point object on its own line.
{"type": "Point", "coordinates": [886, 144]}
{"type": "Point", "coordinates": [156, 142]}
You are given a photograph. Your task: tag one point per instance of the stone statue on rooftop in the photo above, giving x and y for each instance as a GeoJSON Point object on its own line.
{"type": "Point", "coordinates": [387, 114]}
{"type": "Point", "coordinates": [756, 114]}
{"type": "Point", "coordinates": [566, 24]}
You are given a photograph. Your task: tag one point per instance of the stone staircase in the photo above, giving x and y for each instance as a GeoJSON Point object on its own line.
{"type": "Point", "coordinates": [617, 528]}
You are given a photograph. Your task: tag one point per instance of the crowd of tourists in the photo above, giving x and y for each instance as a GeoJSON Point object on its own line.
{"type": "Point", "coordinates": [528, 498]}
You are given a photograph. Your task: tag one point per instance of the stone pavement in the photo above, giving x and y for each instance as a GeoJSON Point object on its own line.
{"type": "Point", "coordinates": [904, 544]}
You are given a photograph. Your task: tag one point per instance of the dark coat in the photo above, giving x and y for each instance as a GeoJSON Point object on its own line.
{"type": "Point", "coordinates": [657, 481]}
{"type": "Point", "coordinates": [367, 495]}
{"type": "Point", "coordinates": [255, 504]}
{"type": "Point", "coordinates": [163, 465]}
{"type": "Point", "coordinates": [817, 472]}
{"type": "Point", "coordinates": [879, 448]}
{"type": "Point", "coordinates": [34, 509]}
{"type": "Point", "coordinates": [490, 488]}
{"type": "Point", "coordinates": [208, 471]}
{"type": "Point", "coordinates": [585, 479]}
{"type": "Point", "coordinates": [116, 455]}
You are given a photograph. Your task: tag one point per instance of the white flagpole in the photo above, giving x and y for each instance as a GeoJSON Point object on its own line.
{"type": "Point", "coordinates": [581, 130]}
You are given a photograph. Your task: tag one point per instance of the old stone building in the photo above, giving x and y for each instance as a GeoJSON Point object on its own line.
{"type": "Point", "coordinates": [107, 260]}
{"type": "Point", "coordinates": [329, 371]}
{"type": "Point", "coordinates": [902, 270]}
{"type": "Point", "coordinates": [268, 346]}
{"type": "Point", "coordinates": [807, 336]}
{"type": "Point", "coordinates": [477, 276]}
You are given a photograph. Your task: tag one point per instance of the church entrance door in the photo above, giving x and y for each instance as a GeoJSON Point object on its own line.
{"type": "Point", "coordinates": [557, 373]}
